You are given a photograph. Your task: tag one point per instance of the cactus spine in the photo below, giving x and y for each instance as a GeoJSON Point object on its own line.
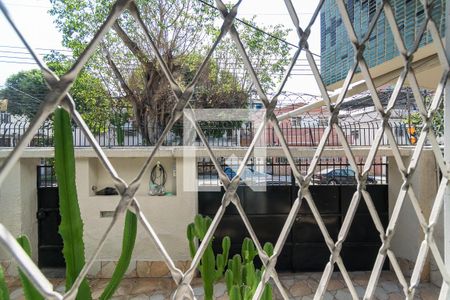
{"type": "Point", "coordinates": [211, 267]}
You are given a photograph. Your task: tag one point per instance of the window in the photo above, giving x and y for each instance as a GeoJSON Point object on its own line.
{"type": "Point", "coordinates": [350, 173]}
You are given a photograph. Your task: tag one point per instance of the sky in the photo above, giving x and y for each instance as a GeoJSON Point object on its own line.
{"type": "Point", "coordinates": [32, 18]}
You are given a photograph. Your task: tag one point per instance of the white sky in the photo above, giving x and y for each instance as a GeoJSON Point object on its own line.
{"type": "Point", "coordinates": [37, 26]}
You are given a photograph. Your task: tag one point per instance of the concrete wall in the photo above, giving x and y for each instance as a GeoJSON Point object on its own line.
{"type": "Point", "coordinates": [409, 234]}
{"type": "Point", "coordinates": [169, 215]}
{"type": "Point", "coordinates": [19, 205]}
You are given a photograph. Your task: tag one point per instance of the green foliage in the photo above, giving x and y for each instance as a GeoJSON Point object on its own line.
{"type": "Point", "coordinates": [183, 32]}
{"type": "Point", "coordinates": [211, 267]}
{"type": "Point", "coordinates": [91, 98]}
{"type": "Point", "coordinates": [268, 54]}
{"type": "Point", "coordinates": [29, 290]}
{"type": "Point", "coordinates": [242, 277]}
{"type": "Point", "coordinates": [25, 91]}
{"type": "Point", "coordinates": [415, 119]}
{"type": "Point", "coordinates": [128, 242]}
{"type": "Point", "coordinates": [118, 119]}
{"type": "Point", "coordinates": [4, 293]}
{"type": "Point", "coordinates": [71, 227]}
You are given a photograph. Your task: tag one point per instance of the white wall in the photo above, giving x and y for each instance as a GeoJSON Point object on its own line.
{"type": "Point", "coordinates": [19, 204]}
{"type": "Point", "coordinates": [409, 234]}
{"type": "Point", "coordinates": [169, 215]}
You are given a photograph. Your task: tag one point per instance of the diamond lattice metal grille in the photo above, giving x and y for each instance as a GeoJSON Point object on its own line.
{"type": "Point", "coordinates": [58, 97]}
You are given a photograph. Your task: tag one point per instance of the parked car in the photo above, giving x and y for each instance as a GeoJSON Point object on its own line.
{"type": "Point", "coordinates": [339, 176]}
{"type": "Point", "coordinates": [251, 176]}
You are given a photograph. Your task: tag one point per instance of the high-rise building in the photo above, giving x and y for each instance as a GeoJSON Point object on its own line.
{"type": "Point", "coordinates": [337, 53]}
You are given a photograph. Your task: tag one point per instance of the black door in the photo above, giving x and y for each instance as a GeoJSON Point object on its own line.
{"type": "Point", "coordinates": [50, 243]}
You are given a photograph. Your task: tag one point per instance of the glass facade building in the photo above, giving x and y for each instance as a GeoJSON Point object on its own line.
{"type": "Point", "coordinates": [337, 53]}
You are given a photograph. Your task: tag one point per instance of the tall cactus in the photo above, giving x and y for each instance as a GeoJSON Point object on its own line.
{"type": "Point", "coordinates": [242, 277]}
{"type": "Point", "coordinates": [211, 267]}
{"type": "Point", "coordinates": [71, 227]}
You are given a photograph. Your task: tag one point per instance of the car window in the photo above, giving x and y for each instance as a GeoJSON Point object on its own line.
{"type": "Point", "coordinates": [335, 173]}
{"type": "Point", "coordinates": [351, 173]}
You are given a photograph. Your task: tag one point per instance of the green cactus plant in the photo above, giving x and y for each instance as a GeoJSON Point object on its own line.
{"type": "Point", "coordinates": [71, 227]}
{"type": "Point", "coordinates": [211, 267]}
{"type": "Point", "coordinates": [242, 277]}
{"type": "Point", "coordinates": [4, 293]}
{"type": "Point", "coordinates": [29, 290]}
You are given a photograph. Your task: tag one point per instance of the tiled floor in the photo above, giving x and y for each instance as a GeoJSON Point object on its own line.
{"type": "Point", "coordinates": [299, 286]}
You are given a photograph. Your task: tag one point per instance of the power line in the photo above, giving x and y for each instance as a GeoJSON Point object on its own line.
{"type": "Point", "coordinates": [24, 53]}
{"type": "Point", "coordinates": [257, 29]}
{"type": "Point", "coordinates": [49, 49]}
{"type": "Point", "coordinates": [18, 62]}
{"type": "Point", "coordinates": [16, 57]}
{"type": "Point", "coordinates": [36, 100]}
{"type": "Point", "coordinates": [14, 52]}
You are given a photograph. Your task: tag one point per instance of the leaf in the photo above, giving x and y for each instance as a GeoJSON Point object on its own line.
{"type": "Point", "coordinates": [4, 293]}
{"type": "Point", "coordinates": [129, 239]}
{"type": "Point", "coordinates": [29, 290]}
{"type": "Point", "coordinates": [71, 227]}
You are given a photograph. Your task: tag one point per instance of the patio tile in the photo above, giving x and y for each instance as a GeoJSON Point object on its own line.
{"type": "Point", "coordinates": [299, 289]}
{"type": "Point", "coordinates": [343, 295]}
{"type": "Point", "coordinates": [335, 284]}
{"type": "Point", "coordinates": [301, 286]}
{"type": "Point", "coordinates": [390, 287]}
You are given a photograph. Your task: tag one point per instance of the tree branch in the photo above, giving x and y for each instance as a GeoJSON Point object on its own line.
{"type": "Point", "coordinates": [130, 44]}
{"type": "Point", "coordinates": [119, 76]}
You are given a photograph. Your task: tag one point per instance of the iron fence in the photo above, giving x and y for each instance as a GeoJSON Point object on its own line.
{"type": "Point", "coordinates": [360, 42]}
{"type": "Point", "coordinates": [357, 134]}
{"type": "Point", "coordinates": [46, 176]}
{"type": "Point", "coordinates": [277, 171]}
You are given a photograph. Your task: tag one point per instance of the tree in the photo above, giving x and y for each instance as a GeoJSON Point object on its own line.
{"type": "Point", "coordinates": [92, 99]}
{"type": "Point", "coordinates": [415, 121]}
{"type": "Point", "coordinates": [26, 90]}
{"type": "Point", "coordinates": [182, 31]}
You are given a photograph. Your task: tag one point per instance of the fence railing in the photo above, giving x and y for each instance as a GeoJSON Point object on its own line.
{"type": "Point", "coordinates": [129, 136]}
{"type": "Point", "coordinates": [277, 171]}
{"type": "Point", "coordinates": [46, 175]}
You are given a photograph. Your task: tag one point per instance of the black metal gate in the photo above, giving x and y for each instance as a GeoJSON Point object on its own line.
{"type": "Point", "coordinates": [305, 248]}
{"type": "Point", "coordinates": [50, 243]}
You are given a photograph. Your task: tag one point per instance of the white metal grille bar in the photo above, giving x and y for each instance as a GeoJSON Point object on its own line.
{"type": "Point", "coordinates": [58, 96]}
{"type": "Point", "coordinates": [445, 290]}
